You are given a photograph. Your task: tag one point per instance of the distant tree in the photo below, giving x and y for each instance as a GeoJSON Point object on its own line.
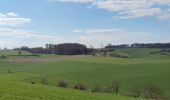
{"type": "Point", "coordinates": [70, 49]}
{"type": "Point", "coordinates": [19, 52]}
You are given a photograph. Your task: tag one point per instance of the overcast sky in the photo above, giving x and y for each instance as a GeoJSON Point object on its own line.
{"type": "Point", "coordinates": [91, 22]}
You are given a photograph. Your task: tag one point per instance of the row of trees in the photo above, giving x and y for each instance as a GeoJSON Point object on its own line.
{"type": "Point", "coordinates": [60, 49]}
{"type": "Point", "coordinates": [78, 49]}
{"type": "Point", "coordinates": [141, 45]}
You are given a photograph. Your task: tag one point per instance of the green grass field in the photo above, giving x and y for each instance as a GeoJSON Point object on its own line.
{"type": "Point", "coordinates": [142, 68]}
{"type": "Point", "coordinates": [12, 87]}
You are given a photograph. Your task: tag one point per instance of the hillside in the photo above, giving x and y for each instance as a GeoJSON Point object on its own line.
{"type": "Point", "coordinates": [138, 70]}
{"type": "Point", "coordinates": [12, 87]}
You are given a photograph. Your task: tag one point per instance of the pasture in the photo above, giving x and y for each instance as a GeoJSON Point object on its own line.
{"type": "Point", "coordinates": [142, 68]}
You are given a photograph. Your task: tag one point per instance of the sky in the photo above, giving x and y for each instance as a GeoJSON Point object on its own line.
{"type": "Point", "coordinates": [94, 23]}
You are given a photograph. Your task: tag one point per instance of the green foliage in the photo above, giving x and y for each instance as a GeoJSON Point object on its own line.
{"type": "Point", "coordinates": [98, 89]}
{"type": "Point", "coordinates": [9, 71]}
{"type": "Point", "coordinates": [135, 92]}
{"type": "Point", "coordinates": [33, 82]}
{"type": "Point", "coordinates": [153, 92]}
{"type": "Point", "coordinates": [114, 88]}
{"type": "Point", "coordinates": [62, 83]}
{"type": "Point", "coordinates": [80, 86]}
{"type": "Point", "coordinates": [2, 56]}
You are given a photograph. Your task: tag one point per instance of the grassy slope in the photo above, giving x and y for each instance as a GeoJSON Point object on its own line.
{"type": "Point", "coordinates": [143, 53]}
{"type": "Point", "coordinates": [12, 87]}
{"type": "Point", "coordinates": [90, 71]}
{"type": "Point", "coordinates": [140, 69]}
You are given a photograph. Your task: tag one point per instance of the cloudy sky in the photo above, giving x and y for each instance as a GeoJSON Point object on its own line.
{"type": "Point", "coordinates": [91, 22]}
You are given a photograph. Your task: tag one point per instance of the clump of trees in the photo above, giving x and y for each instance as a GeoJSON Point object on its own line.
{"type": "Point", "coordinates": [70, 49]}
{"type": "Point", "coordinates": [60, 49]}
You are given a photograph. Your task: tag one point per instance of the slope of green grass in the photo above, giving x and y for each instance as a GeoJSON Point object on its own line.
{"type": "Point", "coordinates": [142, 53]}
{"type": "Point", "coordinates": [95, 73]}
{"type": "Point", "coordinates": [139, 70]}
{"type": "Point", "coordinates": [13, 88]}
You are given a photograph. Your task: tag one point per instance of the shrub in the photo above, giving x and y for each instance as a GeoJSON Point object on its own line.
{"type": "Point", "coordinates": [153, 92]}
{"type": "Point", "coordinates": [98, 89]}
{"type": "Point", "coordinates": [80, 87]}
{"type": "Point", "coordinates": [9, 71]}
{"type": "Point", "coordinates": [33, 82]}
{"type": "Point", "coordinates": [114, 88]}
{"type": "Point", "coordinates": [62, 83]}
{"type": "Point", "coordinates": [2, 56]}
{"type": "Point", "coordinates": [119, 55]}
{"type": "Point", "coordinates": [135, 92]}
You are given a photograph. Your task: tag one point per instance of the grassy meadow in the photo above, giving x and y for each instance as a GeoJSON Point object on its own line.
{"type": "Point", "coordinates": [142, 68]}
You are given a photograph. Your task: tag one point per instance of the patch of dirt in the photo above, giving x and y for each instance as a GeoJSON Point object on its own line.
{"type": "Point", "coordinates": [61, 58]}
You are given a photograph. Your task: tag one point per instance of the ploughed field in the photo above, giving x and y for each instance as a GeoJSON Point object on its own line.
{"type": "Point", "coordinates": [141, 68]}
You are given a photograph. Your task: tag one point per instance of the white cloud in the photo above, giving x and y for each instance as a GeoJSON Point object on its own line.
{"type": "Point", "coordinates": [136, 13]}
{"type": "Point", "coordinates": [15, 38]}
{"type": "Point", "coordinates": [96, 37]}
{"type": "Point", "coordinates": [78, 30]}
{"type": "Point", "coordinates": [12, 38]}
{"type": "Point", "coordinates": [12, 19]}
{"type": "Point", "coordinates": [165, 15]}
{"type": "Point", "coordinates": [127, 9]}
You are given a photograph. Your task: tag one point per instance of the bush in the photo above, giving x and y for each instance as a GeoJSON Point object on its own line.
{"type": "Point", "coordinates": [80, 87]}
{"type": "Point", "coordinates": [2, 56]}
{"type": "Point", "coordinates": [153, 92]}
{"type": "Point", "coordinates": [119, 55]}
{"type": "Point", "coordinates": [9, 71]}
{"type": "Point", "coordinates": [135, 92]}
{"type": "Point", "coordinates": [98, 89]}
{"type": "Point", "coordinates": [114, 88]}
{"type": "Point", "coordinates": [62, 83]}
{"type": "Point", "coordinates": [33, 82]}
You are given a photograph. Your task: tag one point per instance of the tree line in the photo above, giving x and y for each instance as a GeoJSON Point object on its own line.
{"type": "Point", "coordinates": [140, 45]}
{"type": "Point", "coordinates": [60, 49]}
{"type": "Point", "coordinates": [80, 49]}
